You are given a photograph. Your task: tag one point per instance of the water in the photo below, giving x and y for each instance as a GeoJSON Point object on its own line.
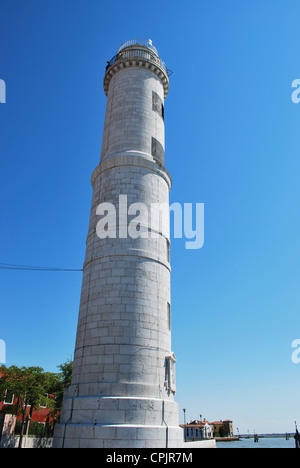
{"type": "Point", "coordinates": [262, 443]}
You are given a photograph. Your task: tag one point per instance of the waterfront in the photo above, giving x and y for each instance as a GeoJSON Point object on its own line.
{"type": "Point", "coordinates": [269, 442]}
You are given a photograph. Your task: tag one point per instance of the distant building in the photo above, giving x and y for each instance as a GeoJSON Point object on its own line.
{"type": "Point", "coordinates": [223, 428]}
{"type": "Point", "coordinates": [198, 430]}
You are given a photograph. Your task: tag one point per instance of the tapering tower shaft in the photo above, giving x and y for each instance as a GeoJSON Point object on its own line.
{"type": "Point", "coordinates": [123, 380]}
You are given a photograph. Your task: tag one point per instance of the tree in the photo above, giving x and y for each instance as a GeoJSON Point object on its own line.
{"type": "Point", "coordinates": [30, 386]}
{"type": "Point", "coordinates": [63, 380]}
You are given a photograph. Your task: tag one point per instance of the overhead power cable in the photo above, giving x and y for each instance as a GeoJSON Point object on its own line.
{"type": "Point", "coordinates": [13, 266]}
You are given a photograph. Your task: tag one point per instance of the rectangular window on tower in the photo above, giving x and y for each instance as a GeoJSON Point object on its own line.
{"type": "Point", "coordinates": [157, 105]}
{"type": "Point", "coordinates": [157, 151]}
{"type": "Point", "coordinates": [170, 373]}
{"type": "Point", "coordinates": [169, 315]}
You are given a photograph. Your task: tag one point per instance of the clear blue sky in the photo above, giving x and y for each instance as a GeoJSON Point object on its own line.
{"type": "Point", "coordinates": [232, 143]}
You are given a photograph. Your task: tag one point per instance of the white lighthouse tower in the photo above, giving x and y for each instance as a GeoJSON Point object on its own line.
{"type": "Point", "coordinates": [123, 381]}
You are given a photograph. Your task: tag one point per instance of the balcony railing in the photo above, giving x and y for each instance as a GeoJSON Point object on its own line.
{"type": "Point", "coordinates": [142, 42]}
{"type": "Point", "coordinates": [137, 53]}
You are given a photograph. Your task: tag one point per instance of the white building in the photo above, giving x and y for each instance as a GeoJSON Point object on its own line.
{"type": "Point", "coordinates": [197, 430]}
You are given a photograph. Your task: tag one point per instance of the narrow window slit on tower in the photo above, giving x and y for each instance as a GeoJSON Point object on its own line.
{"type": "Point", "coordinates": [168, 250]}
{"type": "Point", "coordinates": [157, 152]}
{"type": "Point", "coordinates": [157, 105]}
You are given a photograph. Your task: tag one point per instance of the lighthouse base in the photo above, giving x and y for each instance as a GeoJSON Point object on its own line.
{"type": "Point", "coordinates": [118, 422]}
{"type": "Point", "coordinates": [117, 436]}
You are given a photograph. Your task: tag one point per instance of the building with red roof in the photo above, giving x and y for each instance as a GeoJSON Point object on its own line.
{"type": "Point", "coordinates": [198, 430]}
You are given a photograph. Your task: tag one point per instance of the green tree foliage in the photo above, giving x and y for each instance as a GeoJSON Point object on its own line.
{"type": "Point", "coordinates": [60, 383]}
{"type": "Point", "coordinates": [32, 387]}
